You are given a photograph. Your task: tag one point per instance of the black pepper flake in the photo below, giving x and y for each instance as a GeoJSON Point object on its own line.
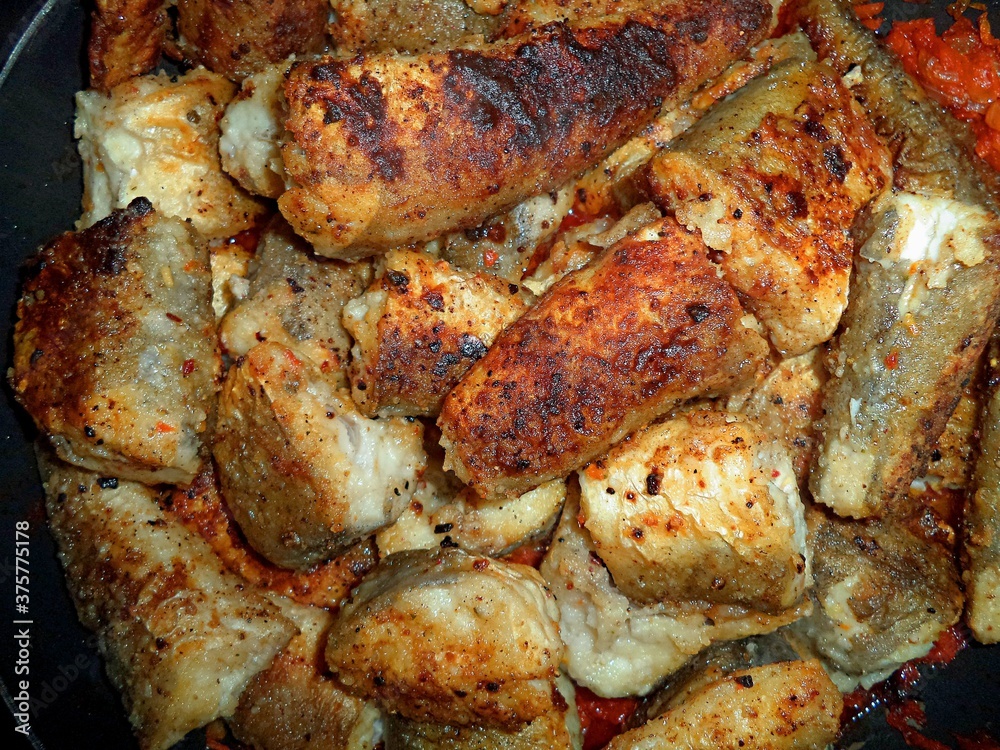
{"type": "Point", "coordinates": [294, 286]}
{"type": "Point", "coordinates": [398, 278]}
{"type": "Point", "coordinates": [493, 687]}
{"type": "Point", "coordinates": [653, 484]}
{"type": "Point", "coordinates": [443, 528]}
{"type": "Point", "coordinates": [362, 385]}
{"type": "Point", "coordinates": [161, 644]}
{"type": "Point", "coordinates": [738, 214]}
{"type": "Point", "coordinates": [514, 288]}
{"type": "Point", "coordinates": [378, 680]}
{"type": "Point", "coordinates": [522, 463]}
{"type": "Point", "coordinates": [448, 542]}
{"type": "Point", "coordinates": [745, 680]}
{"type": "Point", "coordinates": [698, 313]}
{"type": "Point", "coordinates": [471, 347]}
{"type": "Point", "coordinates": [434, 346]}
{"type": "Point", "coordinates": [89, 431]}
{"type": "Point", "coordinates": [935, 455]}
{"type": "Point", "coordinates": [610, 490]}
{"type": "Point", "coordinates": [108, 483]}
{"type": "Point", "coordinates": [36, 355]}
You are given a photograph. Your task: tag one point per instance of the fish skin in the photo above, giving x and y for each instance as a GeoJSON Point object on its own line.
{"type": "Point", "coordinates": [916, 324]}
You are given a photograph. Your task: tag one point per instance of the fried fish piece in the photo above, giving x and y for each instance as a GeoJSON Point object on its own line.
{"type": "Point", "coordinates": [390, 149]}
{"type": "Point", "coordinates": [406, 26]}
{"type": "Point", "coordinates": [448, 637]}
{"type": "Point", "coordinates": [295, 704]}
{"type": "Point", "coordinates": [157, 137]}
{"type": "Point", "coordinates": [418, 329]}
{"type": "Point", "coordinates": [126, 40]}
{"type": "Point", "coordinates": [304, 473]}
{"type": "Point", "coordinates": [773, 178]}
{"type": "Point", "coordinates": [556, 730]}
{"type": "Point", "coordinates": [115, 354]}
{"type": "Point", "coordinates": [181, 636]}
{"type": "Point", "coordinates": [703, 506]}
{"type": "Point", "coordinates": [982, 516]}
{"type": "Point", "coordinates": [617, 647]}
{"type": "Point", "coordinates": [295, 299]}
{"type": "Point", "coordinates": [238, 39]}
{"type": "Point", "coordinates": [784, 706]}
{"type": "Point", "coordinates": [883, 594]}
{"type": "Point", "coordinates": [644, 326]}
{"type": "Point", "coordinates": [926, 290]}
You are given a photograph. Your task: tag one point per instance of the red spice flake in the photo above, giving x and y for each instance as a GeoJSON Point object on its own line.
{"type": "Point", "coordinates": [530, 554]}
{"type": "Point", "coordinates": [191, 266]}
{"type": "Point", "coordinates": [175, 318]}
{"type": "Point", "coordinates": [602, 718]}
{"type": "Point", "coordinates": [163, 428]}
{"type": "Point", "coordinates": [188, 367]}
{"type": "Point", "coordinates": [892, 361]}
{"type": "Point", "coordinates": [960, 69]}
{"type": "Point", "coordinates": [490, 258]}
{"type": "Point", "coordinates": [247, 239]}
{"type": "Point", "coordinates": [775, 474]}
{"type": "Point", "coordinates": [594, 471]}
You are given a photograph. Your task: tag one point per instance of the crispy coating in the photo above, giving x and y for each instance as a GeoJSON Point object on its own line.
{"type": "Point", "coordinates": [390, 149]}
{"type": "Point", "coordinates": [883, 594]}
{"type": "Point", "coordinates": [126, 40]}
{"type": "Point", "coordinates": [407, 26]}
{"type": "Point", "coordinates": [237, 39]}
{"type": "Point", "coordinates": [557, 730]}
{"type": "Point", "coordinates": [926, 292]}
{"type": "Point", "coordinates": [295, 299]}
{"type": "Point", "coordinates": [115, 355]}
{"type": "Point", "coordinates": [304, 473]}
{"type": "Point", "coordinates": [785, 706]}
{"type": "Point", "coordinates": [295, 704]}
{"type": "Point", "coordinates": [447, 637]}
{"type": "Point", "coordinates": [773, 178]}
{"type": "Point", "coordinates": [787, 404]}
{"type": "Point", "coordinates": [180, 635]}
{"type": "Point", "coordinates": [611, 346]}
{"type": "Point", "coordinates": [158, 137]}
{"type": "Point", "coordinates": [251, 132]}
{"type": "Point", "coordinates": [201, 508]}
{"type": "Point", "coordinates": [703, 506]}
{"type": "Point", "coordinates": [982, 517]}
{"type": "Point", "coordinates": [617, 647]}
{"type": "Point", "coordinates": [418, 329]}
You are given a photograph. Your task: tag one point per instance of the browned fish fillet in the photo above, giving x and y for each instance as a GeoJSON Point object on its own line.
{"type": "Point", "coordinates": [926, 290]}
{"type": "Point", "coordinates": [784, 706]}
{"type": "Point", "coordinates": [181, 635]}
{"type": "Point", "coordinates": [644, 326]}
{"type": "Point", "coordinates": [115, 355]}
{"type": "Point", "coordinates": [126, 40]}
{"type": "Point", "coordinates": [420, 326]}
{"type": "Point", "coordinates": [390, 149]}
{"type": "Point", "coordinates": [239, 38]}
{"type": "Point", "coordinates": [982, 517]}
{"type": "Point", "coordinates": [773, 178]}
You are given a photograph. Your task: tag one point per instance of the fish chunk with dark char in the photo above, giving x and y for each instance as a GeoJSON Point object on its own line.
{"type": "Point", "coordinates": [115, 355]}
{"type": "Point", "coordinates": [389, 149]}
{"type": "Point", "coordinates": [420, 326]}
{"type": "Point", "coordinates": [126, 40]}
{"type": "Point", "coordinates": [773, 178]}
{"type": "Point", "coordinates": [608, 348]}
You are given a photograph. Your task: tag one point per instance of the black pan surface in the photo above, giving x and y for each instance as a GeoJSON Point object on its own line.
{"type": "Point", "coordinates": [71, 702]}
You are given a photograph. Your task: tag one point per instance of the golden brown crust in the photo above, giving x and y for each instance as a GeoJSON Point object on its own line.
{"type": "Point", "coordinates": [239, 38]}
{"type": "Point", "coordinates": [419, 328]}
{"type": "Point", "coordinates": [126, 40]}
{"type": "Point", "coordinates": [115, 355]}
{"type": "Point", "coordinates": [390, 149]}
{"type": "Point", "coordinates": [608, 348]}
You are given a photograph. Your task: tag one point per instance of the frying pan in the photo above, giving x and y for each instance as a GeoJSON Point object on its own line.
{"type": "Point", "coordinates": [41, 51]}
